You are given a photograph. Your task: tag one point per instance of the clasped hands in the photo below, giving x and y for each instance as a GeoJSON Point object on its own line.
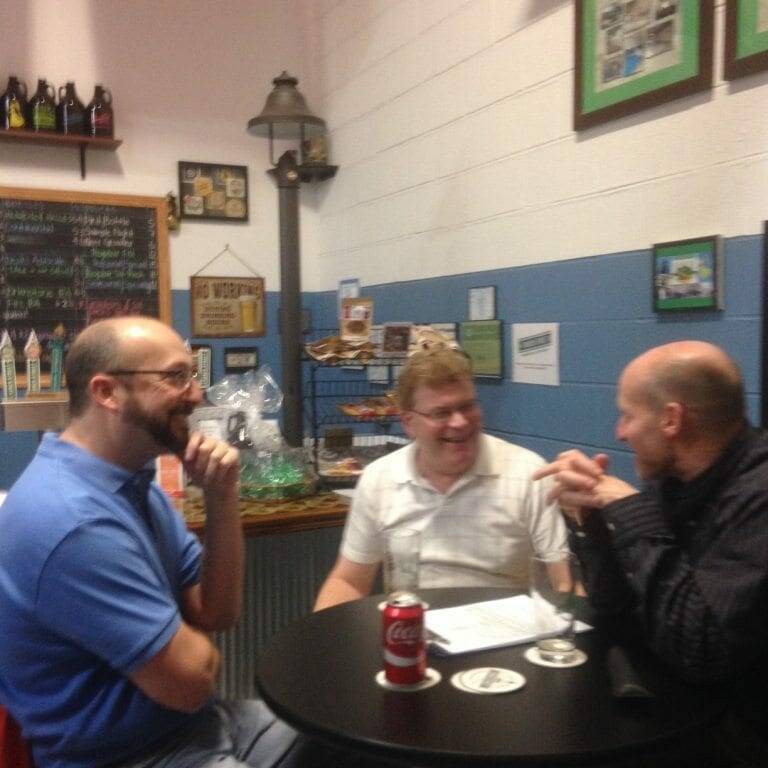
{"type": "Point", "coordinates": [580, 483]}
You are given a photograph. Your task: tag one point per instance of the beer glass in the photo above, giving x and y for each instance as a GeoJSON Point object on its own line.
{"type": "Point", "coordinates": [247, 313]}
{"type": "Point", "coordinates": [402, 550]}
{"type": "Point", "coordinates": [552, 591]}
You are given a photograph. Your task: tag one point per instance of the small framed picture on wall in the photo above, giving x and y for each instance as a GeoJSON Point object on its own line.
{"type": "Point", "coordinates": [202, 355]}
{"type": "Point", "coordinates": [688, 275]}
{"type": "Point", "coordinates": [482, 303]}
{"type": "Point", "coordinates": [240, 359]}
{"type": "Point", "coordinates": [482, 340]}
{"type": "Point", "coordinates": [210, 191]}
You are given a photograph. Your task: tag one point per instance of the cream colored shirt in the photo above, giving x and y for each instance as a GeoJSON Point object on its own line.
{"type": "Point", "coordinates": [481, 533]}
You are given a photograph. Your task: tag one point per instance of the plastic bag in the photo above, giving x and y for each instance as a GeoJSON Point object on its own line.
{"type": "Point", "coordinates": [251, 390]}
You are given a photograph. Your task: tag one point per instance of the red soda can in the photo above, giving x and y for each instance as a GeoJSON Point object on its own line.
{"type": "Point", "coordinates": [405, 651]}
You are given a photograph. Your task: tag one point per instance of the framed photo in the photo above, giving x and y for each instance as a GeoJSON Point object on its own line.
{"type": "Point", "coordinates": [688, 274]}
{"type": "Point", "coordinates": [636, 54]}
{"type": "Point", "coordinates": [482, 341]}
{"type": "Point", "coordinates": [208, 191]}
{"type": "Point", "coordinates": [348, 289]}
{"type": "Point", "coordinates": [396, 339]}
{"type": "Point", "coordinates": [482, 303]}
{"type": "Point", "coordinates": [746, 37]}
{"type": "Point", "coordinates": [240, 359]}
{"type": "Point", "coordinates": [203, 361]}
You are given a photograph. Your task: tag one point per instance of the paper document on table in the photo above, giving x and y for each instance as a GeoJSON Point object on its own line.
{"type": "Point", "coordinates": [491, 624]}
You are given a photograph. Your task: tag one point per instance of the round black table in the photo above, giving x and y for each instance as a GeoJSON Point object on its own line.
{"type": "Point", "coordinates": [318, 675]}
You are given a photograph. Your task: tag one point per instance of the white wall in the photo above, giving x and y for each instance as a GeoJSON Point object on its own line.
{"type": "Point", "coordinates": [452, 123]}
{"type": "Point", "coordinates": [186, 76]}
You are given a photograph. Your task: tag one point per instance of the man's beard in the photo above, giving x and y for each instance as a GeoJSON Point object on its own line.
{"type": "Point", "coordinates": [171, 431]}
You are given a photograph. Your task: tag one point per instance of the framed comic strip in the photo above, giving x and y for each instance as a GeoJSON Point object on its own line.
{"type": "Point", "coordinates": [636, 54]}
{"type": "Point", "coordinates": [688, 274]}
{"type": "Point", "coordinates": [746, 37]}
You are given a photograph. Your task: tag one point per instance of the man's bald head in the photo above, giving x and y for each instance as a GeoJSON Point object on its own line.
{"type": "Point", "coordinates": [696, 374]}
{"type": "Point", "coordinates": [109, 345]}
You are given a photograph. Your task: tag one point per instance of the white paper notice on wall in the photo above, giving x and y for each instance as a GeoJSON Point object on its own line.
{"type": "Point", "coordinates": [536, 353]}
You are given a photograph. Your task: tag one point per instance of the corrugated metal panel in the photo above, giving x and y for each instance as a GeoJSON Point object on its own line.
{"type": "Point", "coordinates": [282, 576]}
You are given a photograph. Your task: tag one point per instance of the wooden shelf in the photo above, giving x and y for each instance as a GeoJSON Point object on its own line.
{"type": "Point", "coordinates": [50, 138]}
{"type": "Point", "coordinates": [35, 413]}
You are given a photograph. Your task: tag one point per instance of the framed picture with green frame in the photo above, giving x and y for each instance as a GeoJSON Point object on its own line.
{"type": "Point", "coordinates": [688, 275]}
{"type": "Point", "coordinates": [746, 37]}
{"type": "Point", "coordinates": [635, 54]}
{"type": "Point", "coordinates": [482, 340]}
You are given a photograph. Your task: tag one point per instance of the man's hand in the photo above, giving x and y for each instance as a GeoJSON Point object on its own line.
{"type": "Point", "coordinates": [213, 465]}
{"type": "Point", "coordinates": [216, 601]}
{"type": "Point", "coordinates": [580, 483]}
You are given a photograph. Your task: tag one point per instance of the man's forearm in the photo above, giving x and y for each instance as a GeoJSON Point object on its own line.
{"type": "Point", "coordinates": [336, 590]}
{"type": "Point", "coordinates": [221, 582]}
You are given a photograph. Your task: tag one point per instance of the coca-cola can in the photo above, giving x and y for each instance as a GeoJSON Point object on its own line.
{"type": "Point", "coordinates": [405, 651]}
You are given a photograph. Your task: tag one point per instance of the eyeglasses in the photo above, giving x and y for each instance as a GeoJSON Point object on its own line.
{"type": "Point", "coordinates": [178, 377]}
{"type": "Point", "coordinates": [443, 415]}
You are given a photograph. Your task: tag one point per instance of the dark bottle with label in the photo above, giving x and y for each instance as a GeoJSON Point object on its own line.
{"type": "Point", "coordinates": [70, 113]}
{"type": "Point", "coordinates": [42, 108]}
{"type": "Point", "coordinates": [13, 105]}
{"type": "Point", "coordinates": [98, 114]}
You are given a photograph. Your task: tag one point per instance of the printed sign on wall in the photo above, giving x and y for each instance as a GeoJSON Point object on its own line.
{"type": "Point", "coordinates": [536, 353]}
{"type": "Point", "coordinates": [227, 306]}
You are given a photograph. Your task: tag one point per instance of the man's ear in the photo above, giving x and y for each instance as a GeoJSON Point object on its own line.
{"type": "Point", "coordinates": [406, 421]}
{"type": "Point", "coordinates": [672, 419]}
{"type": "Point", "coordinates": [104, 391]}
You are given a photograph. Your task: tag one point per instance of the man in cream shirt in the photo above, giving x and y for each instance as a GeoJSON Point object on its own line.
{"type": "Point", "coordinates": [468, 493]}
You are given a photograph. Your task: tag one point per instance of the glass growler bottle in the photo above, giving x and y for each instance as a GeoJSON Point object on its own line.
{"type": "Point", "coordinates": [98, 114]}
{"type": "Point", "coordinates": [13, 104]}
{"type": "Point", "coordinates": [42, 108]}
{"type": "Point", "coordinates": [70, 112]}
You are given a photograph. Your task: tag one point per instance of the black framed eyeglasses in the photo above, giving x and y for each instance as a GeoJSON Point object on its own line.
{"type": "Point", "coordinates": [443, 415]}
{"type": "Point", "coordinates": [178, 377]}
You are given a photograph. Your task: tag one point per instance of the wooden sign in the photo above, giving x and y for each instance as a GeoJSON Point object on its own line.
{"type": "Point", "coordinates": [227, 306]}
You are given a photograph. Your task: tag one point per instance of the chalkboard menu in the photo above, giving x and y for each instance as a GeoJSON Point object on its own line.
{"type": "Point", "coordinates": [69, 259]}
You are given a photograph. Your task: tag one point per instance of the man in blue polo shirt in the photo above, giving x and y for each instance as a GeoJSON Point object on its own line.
{"type": "Point", "coordinates": [105, 597]}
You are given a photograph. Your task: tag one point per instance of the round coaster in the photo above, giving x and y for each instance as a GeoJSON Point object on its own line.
{"type": "Point", "coordinates": [432, 677]}
{"type": "Point", "coordinates": [534, 656]}
{"type": "Point", "coordinates": [488, 680]}
{"type": "Point", "coordinates": [383, 604]}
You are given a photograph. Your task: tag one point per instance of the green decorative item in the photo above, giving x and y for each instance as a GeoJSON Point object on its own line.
{"type": "Point", "coordinates": [634, 55]}
{"type": "Point", "coordinates": [57, 357]}
{"type": "Point", "coordinates": [274, 476]}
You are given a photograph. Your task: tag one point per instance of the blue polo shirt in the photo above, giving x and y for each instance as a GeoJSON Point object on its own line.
{"type": "Point", "coordinates": [91, 573]}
